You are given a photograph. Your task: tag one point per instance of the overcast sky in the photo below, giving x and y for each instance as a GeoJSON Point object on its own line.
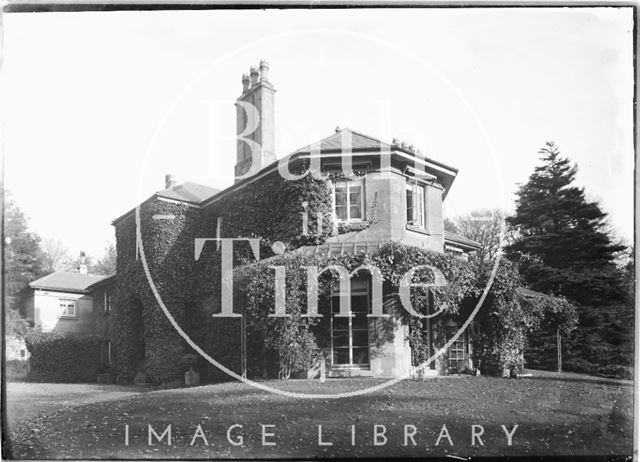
{"type": "Point", "coordinates": [97, 107]}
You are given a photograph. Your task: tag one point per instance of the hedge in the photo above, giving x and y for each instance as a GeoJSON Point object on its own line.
{"type": "Point", "coordinates": [63, 357]}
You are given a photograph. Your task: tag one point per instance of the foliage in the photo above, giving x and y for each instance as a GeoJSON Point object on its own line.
{"type": "Point", "coordinates": [563, 247]}
{"type": "Point", "coordinates": [562, 244]}
{"type": "Point", "coordinates": [508, 316]}
{"type": "Point", "coordinates": [23, 258]}
{"type": "Point", "coordinates": [63, 357]}
{"type": "Point", "coordinates": [106, 264]}
{"type": "Point", "coordinates": [450, 225]}
{"type": "Point", "coordinates": [293, 340]}
{"type": "Point", "coordinates": [15, 325]}
{"type": "Point", "coordinates": [488, 228]}
{"type": "Point", "coordinates": [146, 339]}
{"type": "Point", "coordinates": [270, 208]}
{"type": "Point", "coordinates": [56, 255]}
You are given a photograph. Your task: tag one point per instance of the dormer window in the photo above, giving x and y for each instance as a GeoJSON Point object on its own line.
{"type": "Point", "coordinates": [349, 200]}
{"type": "Point", "coordinates": [416, 210]}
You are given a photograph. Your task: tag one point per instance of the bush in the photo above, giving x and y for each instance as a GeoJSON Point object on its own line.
{"type": "Point", "coordinates": [579, 365]}
{"type": "Point", "coordinates": [63, 357]}
{"type": "Point", "coordinates": [616, 371]}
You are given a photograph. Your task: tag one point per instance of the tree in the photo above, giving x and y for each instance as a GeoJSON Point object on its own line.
{"type": "Point", "coordinates": [562, 244]}
{"type": "Point", "coordinates": [485, 227]}
{"type": "Point", "coordinates": [23, 256]}
{"type": "Point", "coordinates": [450, 225]}
{"type": "Point", "coordinates": [56, 255]}
{"type": "Point", "coordinates": [563, 247]}
{"type": "Point", "coordinates": [106, 265]}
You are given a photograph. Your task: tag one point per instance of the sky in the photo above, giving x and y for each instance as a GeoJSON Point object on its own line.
{"type": "Point", "coordinates": [97, 107]}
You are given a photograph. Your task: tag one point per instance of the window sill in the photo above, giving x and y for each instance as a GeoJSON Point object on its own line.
{"type": "Point", "coordinates": [417, 229]}
{"type": "Point", "coordinates": [68, 318]}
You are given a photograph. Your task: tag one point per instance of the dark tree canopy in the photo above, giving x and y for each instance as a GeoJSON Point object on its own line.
{"type": "Point", "coordinates": [23, 256]}
{"type": "Point", "coordinates": [562, 246]}
{"type": "Point", "coordinates": [561, 240]}
{"type": "Point", "coordinates": [106, 264]}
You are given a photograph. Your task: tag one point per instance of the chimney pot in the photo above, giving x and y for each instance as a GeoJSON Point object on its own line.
{"type": "Point", "coordinates": [254, 75]}
{"type": "Point", "coordinates": [170, 181]}
{"type": "Point", "coordinates": [264, 70]}
{"type": "Point", "coordinates": [246, 83]}
{"type": "Point", "coordinates": [338, 128]}
{"type": "Point", "coordinates": [82, 267]}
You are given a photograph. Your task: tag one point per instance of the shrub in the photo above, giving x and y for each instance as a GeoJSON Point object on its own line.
{"type": "Point", "coordinates": [616, 371]}
{"type": "Point", "coordinates": [579, 365]}
{"type": "Point", "coordinates": [63, 357]}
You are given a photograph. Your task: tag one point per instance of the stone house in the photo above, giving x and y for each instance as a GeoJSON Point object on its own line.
{"type": "Point", "coordinates": [76, 303]}
{"type": "Point", "coordinates": [396, 195]}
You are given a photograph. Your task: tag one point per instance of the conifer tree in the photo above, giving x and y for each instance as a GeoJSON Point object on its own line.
{"type": "Point", "coordinates": [563, 247]}
{"type": "Point", "coordinates": [561, 240]}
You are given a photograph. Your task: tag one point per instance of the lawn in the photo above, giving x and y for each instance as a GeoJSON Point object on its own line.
{"type": "Point", "coordinates": [553, 416]}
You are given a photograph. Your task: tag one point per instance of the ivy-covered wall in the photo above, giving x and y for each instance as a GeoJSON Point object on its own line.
{"type": "Point", "coordinates": [146, 340]}
{"type": "Point", "coordinates": [270, 208]}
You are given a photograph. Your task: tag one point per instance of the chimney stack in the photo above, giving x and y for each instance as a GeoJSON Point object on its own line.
{"type": "Point", "coordinates": [169, 181]}
{"type": "Point", "coordinates": [83, 268]}
{"type": "Point", "coordinates": [264, 70]}
{"type": "Point", "coordinates": [254, 74]}
{"type": "Point", "coordinates": [246, 83]}
{"type": "Point", "coordinates": [255, 114]}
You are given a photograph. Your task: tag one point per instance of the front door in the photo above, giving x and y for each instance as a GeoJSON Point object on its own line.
{"type": "Point", "coordinates": [350, 336]}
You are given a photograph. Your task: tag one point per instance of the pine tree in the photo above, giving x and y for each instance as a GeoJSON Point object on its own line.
{"type": "Point", "coordinates": [562, 247]}
{"type": "Point", "coordinates": [561, 240]}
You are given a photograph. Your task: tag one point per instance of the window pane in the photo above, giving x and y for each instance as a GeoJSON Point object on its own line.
{"type": "Point", "coordinates": [340, 356]}
{"type": "Point", "coordinates": [354, 194]}
{"type": "Point", "coordinates": [419, 212]}
{"type": "Point", "coordinates": [361, 339]}
{"type": "Point", "coordinates": [340, 323]}
{"type": "Point", "coordinates": [359, 304]}
{"type": "Point", "coordinates": [341, 339]}
{"type": "Point", "coordinates": [360, 321]}
{"type": "Point", "coordinates": [341, 212]}
{"type": "Point", "coordinates": [355, 211]}
{"type": "Point", "coordinates": [341, 198]}
{"type": "Point", "coordinates": [360, 355]}
{"type": "Point", "coordinates": [410, 216]}
{"type": "Point", "coordinates": [358, 284]}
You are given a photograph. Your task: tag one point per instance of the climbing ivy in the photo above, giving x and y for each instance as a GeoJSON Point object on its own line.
{"type": "Point", "coordinates": [507, 317]}
{"type": "Point", "coordinates": [270, 208]}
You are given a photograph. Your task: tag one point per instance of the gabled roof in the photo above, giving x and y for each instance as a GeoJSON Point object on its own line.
{"type": "Point", "coordinates": [67, 281]}
{"type": "Point", "coordinates": [462, 241]}
{"type": "Point", "coordinates": [189, 192]}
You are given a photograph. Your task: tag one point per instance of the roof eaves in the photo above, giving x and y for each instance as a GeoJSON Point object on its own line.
{"type": "Point", "coordinates": [60, 289]}
{"type": "Point", "coordinates": [101, 282]}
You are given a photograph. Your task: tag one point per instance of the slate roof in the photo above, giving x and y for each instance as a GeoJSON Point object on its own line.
{"type": "Point", "coordinates": [457, 239]}
{"type": "Point", "coordinates": [67, 281]}
{"type": "Point", "coordinates": [358, 141]}
{"type": "Point", "coordinates": [189, 192]}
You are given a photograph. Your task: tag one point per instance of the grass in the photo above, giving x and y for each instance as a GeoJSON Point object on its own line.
{"type": "Point", "coordinates": [554, 417]}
